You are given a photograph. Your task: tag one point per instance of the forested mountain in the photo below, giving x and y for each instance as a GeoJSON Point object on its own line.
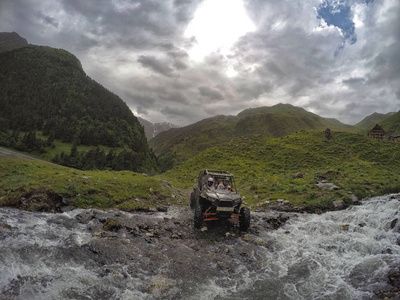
{"type": "Point", "coordinates": [45, 89]}
{"type": "Point", "coordinates": [177, 145]}
{"type": "Point", "coordinates": [370, 121]}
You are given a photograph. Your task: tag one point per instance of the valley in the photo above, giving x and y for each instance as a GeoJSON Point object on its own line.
{"type": "Point", "coordinates": [94, 203]}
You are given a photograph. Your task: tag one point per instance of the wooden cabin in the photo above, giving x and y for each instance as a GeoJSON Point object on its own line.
{"type": "Point", "coordinates": [377, 133]}
{"type": "Point", "coordinates": [393, 138]}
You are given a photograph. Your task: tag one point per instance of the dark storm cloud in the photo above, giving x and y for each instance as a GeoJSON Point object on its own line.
{"type": "Point", "coordinates": [155, 64]}
{"type": "Point", "coordinates": [354, 82]}
{"type": "Point", "coordinates": [179, 111]}
{"type": "Point", "coordinates": [173, 96]}
{"type": "Point", "coordinates": [179, 58]}
{"type": "Point", "coordinates": [253, 90]}
{"type": "Point", "coordinates": [210, 93]}
{"type": "Point", "coordinates": [48, 20]}
{"type": "Point", "coordinates": [386, 65]}
{"type": "Point", "coordinates": [137, 49]}
{"type": "Point", "coordinates": [137, 24]}
{"type": "Point", "coordinates": [145, 102]}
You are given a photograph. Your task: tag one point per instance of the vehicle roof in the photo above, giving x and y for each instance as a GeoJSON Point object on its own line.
{"type": "Point", "coordinates": [217, 173]}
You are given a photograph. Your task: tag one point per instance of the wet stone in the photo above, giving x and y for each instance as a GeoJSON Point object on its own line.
{"type": "Point", "coordinates": [112, 225]}
{"type": "Point", "coordinates": [393, 223]}
{"type": "Point", "coordinates": [5, 225]}
{"type": "Point", "coordinates": [345, 227]}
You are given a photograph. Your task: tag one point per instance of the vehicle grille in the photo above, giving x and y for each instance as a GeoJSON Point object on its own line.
{"type": "Point", "coordinates": [223, 203]}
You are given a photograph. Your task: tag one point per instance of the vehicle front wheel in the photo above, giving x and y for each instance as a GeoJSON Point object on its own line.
{"type": "Point", "coordinates": [192, 200]}
{"type": "Point", "coordinates": [244, 218]}
{"type": "Point", "coordinates": [198, 217]}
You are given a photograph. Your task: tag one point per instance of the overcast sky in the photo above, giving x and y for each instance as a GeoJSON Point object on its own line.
{"type": "Point", "coordinates": [181, 61]}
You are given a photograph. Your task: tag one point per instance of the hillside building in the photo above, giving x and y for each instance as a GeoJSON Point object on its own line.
{"type": "Point", "coordinates": [393, 138]}
{"type": "Point", "coordinates": [377, 133]}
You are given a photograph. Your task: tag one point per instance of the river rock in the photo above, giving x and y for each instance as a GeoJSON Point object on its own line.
{"type": "Point", "coordinates": [338, 205]}
{"type": "Point", "coordinates": [5, 225]}
{"type": "Point", "coordinates": [160, 284]}
{"type": "Point", "coordinates": [345, 227]}
{"type": "Point", "coordinates": [393, 223]}
{"type": "Point", "coordinates": [394, 277]}
{"type": "Point", "coordinates": [111, 225]}
{"type": "Point", "coordinates": [41, 200]}
{"type": "Point", "coordinates": [326, 185]}
{"type": "Point", "coordinates": [298, 175]}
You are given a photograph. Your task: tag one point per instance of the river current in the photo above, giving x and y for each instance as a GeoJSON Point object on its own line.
{"type": "Point", "coordinates": [336, 255]}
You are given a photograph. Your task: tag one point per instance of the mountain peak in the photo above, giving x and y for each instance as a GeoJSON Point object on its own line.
{"type": "Point", "coordinates": [151, 130]}
{"type": "Point", "coordinates": [10, 41]}
{"type": "Point", "coordinates": [12, 37]}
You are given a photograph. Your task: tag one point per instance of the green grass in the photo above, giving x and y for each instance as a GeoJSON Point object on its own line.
{"type": "Point", "coordinates": [104, 189]}
{"type": "Point", "coordinates": [265, 168]}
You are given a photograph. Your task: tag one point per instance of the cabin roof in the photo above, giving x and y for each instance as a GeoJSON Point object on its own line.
{"type": "Point", "coordinates": [377, 128]}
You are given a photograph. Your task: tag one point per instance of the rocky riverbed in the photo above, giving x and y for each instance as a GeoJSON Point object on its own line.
{"type": "Point", "coordinates": [95, 254]}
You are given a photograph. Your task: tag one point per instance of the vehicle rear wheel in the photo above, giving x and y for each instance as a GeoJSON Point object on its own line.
{"type": "Point", "coordinates": [244, 218]}
{"type": "Point", "coordinates": [192, 200]}
{"type": "Point", "coordinates": [198, 217]}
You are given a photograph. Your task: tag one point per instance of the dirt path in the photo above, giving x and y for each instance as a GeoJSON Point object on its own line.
{"type": "Point", "coordinates": [8, 153]}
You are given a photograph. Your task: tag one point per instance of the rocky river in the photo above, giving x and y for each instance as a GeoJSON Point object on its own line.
{"type": "Point", "coordinates": [95, 254]}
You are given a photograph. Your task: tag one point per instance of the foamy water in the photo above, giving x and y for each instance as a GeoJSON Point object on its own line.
{"type": "Point", "coordinates": [336, 255]}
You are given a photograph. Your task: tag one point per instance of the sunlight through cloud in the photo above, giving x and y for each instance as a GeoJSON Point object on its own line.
{"type": "Point", "coordinates": [216, 26]}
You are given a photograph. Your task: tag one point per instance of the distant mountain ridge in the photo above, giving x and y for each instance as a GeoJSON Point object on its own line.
{"type": "Point", "coordinates": [177, 145]}
{"type": "Point", "coordinates": [370, 121]}
{"type": "Point", "coordinates": [151, 130]}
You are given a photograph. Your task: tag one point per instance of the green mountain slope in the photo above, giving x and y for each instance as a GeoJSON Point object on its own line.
{"type": "Point", "coordinates": [268, 169]}
{"type": "Point", "coordinates": [370, 121]}
{"type": "Point", "coordinates": [392, 124]}
{"type": "Point", "coordinates": [45, 90]}
{"type": "Point", "coordinates": [177, 145]}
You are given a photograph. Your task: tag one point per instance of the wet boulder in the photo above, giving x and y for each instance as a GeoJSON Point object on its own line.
{"type": "Point", "coordinates": [339, 205]}
{"type": "Point", "coordinates": [394, 278]}
{"type": "Point", "coordinates": [112, 225]}
{"type": "Point", "coordinates": [41, 200]}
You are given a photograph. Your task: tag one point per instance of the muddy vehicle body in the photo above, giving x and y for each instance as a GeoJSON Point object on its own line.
{"type": "Point", "coordinates": [215, 198]}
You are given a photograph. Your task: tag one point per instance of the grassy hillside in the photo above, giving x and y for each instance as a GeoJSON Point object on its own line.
{"type": "Point", "coordinates": [44, 91]}
{"type": "Point", "coordinates": [392, 124]}
{"type": "Point", "coordinates": [36, 181]}
{"type": "Point", "coordinates": [370, 121]}
{"type": "Point", "coordinates": [180, 144]}
{"type": "Point", "coordinates": [268, 169]}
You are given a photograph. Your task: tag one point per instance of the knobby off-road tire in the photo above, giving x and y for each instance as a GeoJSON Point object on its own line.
{"type": "Point", "coordinates": [244, 219]}
{"type": "Point", "coordinates": [192, 201]}
{"type": "Point", "coordinates": [198, 217]}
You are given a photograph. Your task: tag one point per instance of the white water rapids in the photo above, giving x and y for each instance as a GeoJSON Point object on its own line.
{"type": "Point", "coordinates": [336, 255]}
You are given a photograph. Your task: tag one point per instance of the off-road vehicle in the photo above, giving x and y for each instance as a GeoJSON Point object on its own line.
{"type": "Point", "coordinates": [215, 197]}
